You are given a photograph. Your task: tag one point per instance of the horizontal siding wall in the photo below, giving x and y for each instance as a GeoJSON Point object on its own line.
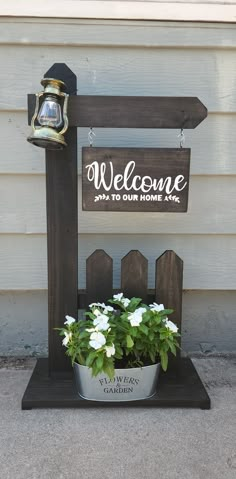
{"type": "Point", "coordinates": [181, 10]}
{"type": "Point", "coordinates": [212, 143]}
{"type": "Point", "coordinates": [115, 33]}
{"type": "Point", "coordinates": [23, 204]}
{"type": "Point", "coordinates": [122, 58]}
{"type": "Point", "coordinates": [208, 260]}
{"type": "Point", "coordinates": [207, 315]}
{"type": "Point", "coordinates": [124, 71]}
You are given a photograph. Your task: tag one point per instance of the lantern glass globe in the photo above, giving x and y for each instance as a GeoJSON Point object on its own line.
{"type": "Point", "coordinates": [50, 113]}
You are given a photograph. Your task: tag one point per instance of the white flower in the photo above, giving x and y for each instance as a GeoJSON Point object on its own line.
{"type": "Point", "coordinates": [69, 320]}
{"type": "Point", "coordinates": [102, 326]}
{"type": "Point", "coordinates": [125, 302]}
{"type": "Point", "coordinates": [171, 326]}
{"type": "Point", "coordinates": [157, 307]}
{"type": "Point", "coordinates": [67, 338]}
{"type": "Point", "coordinates": [136, 317]}
{"type": "Point", "coordinates": [101, 322]}
{"type": "Point", "coordinates": [141, 310]}
{"type": "Point", "coordinates": [118, 296]}
{"type": "Point", "coordinates": [101, 305]}
{"type": "Point", "coordinates": [97, 340]}
{"type": "Point", "coordinates": [107, 309]}
{"type": "Point", "coordinates": [96, 312]}
{"type": "Point", "coordinates": [91, 330]}
{"type": "Point", "coordinates": [110, 350]}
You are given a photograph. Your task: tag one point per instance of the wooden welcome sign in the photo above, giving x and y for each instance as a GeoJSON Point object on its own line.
{"type": "Point", "coordinates": [135, 179]}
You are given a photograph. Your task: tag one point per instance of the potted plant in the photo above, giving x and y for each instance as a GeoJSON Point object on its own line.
{"type": "Point", "coordinates": [118, 351]}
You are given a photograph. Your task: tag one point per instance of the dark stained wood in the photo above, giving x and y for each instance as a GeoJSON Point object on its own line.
{"type": "Point", "coordinates": [83, 302]}
{"type": "Point", "coordinates": [62, 72]}
{"type": "Point", "coordinates": [99, 277]}
{"type": "Point", "coordinates": [176, 389]}
{"type": "Point", "coordinates": [132, 111]}
{"type": "Point", "coordinates": [62, 229]}
{"type": "Point", "coordinates": [169, 284]}
{"type": "Point", "coordinates": [136, 169]}
{"type": "Point", "coordinates": [134, 275]}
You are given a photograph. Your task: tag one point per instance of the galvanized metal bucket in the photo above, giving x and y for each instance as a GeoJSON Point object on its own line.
{"type": "Point", "coordinates": [128, 384]}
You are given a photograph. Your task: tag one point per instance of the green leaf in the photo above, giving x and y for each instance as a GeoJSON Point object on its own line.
{"type": "Point", "coordinates": [139, 345]}
{"type": "Point", "coordinates": [157, 318]}
{"type": "Point", "coordinates": [99, 362]}
{"type": "Point", "coordinates": [95, 370]}
{"type": "Point", "coordinates": [129, 341]}
{"type": "Point", "coordinates": [90, 358]}
{"type": "Point", "coordinates": [90, 315]}
{"type": "Point", "coordinates": [147, 315]}
{"type": "Point", "coordinates": [134, 332]}
{"type": "Point", "coordinates": [81, 359]}
{"type": "Point", "coordinates": [172, 347]}
{"type": "Point", "coordinates": [163, 336]}
{"type": "Point", "coordinates": [134, 302]}
{"type": "Point", "coordinates": [152, 356]}
{"type": "Point", "coordinates": [83, 335]}
{"type": "Point", "coordinates": [167, 311]}
{"type": "Point", "coordinates": [108, 369]}
{"type": "Point", "coordinates": [119, 350]}
{"type": "Point", "coordinates": [164, 360]}
{"type": "Point", "coordinates": [144, 329]}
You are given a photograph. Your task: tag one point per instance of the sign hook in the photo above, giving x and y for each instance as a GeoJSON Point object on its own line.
{"type": "Point", "coordinates": [91, 136]}
{"type": "Point", "coordinates": [182, 138]}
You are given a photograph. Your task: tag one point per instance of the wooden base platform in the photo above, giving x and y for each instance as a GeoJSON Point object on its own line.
{"type": "Point", "coordinates": [179, 387]}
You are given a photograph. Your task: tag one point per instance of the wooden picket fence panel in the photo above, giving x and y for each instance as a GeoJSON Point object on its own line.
{"type": "Point", "coordinates": [180, 386]}
{"type": "Point", "coordinates": [99, 272]}
{"type": "Point", "coordinates": [169, 284]}
{"type": "Point", "coordinates": [134, 279]}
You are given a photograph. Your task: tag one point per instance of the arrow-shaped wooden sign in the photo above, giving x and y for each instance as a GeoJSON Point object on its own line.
{"type": "Point", "coordinates": [132, 111]}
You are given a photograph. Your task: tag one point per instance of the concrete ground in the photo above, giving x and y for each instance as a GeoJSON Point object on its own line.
{"type": "Point", "coordinates": [119, 443]}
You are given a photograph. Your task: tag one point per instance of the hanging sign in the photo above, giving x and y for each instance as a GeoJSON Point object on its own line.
{"type": "Point", "coordinates": [135, 179]}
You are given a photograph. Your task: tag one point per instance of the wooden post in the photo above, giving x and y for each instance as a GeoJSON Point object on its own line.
{"type": "Point", "coordinates": [62, 232]}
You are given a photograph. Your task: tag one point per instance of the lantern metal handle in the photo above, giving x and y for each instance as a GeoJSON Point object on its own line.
{"type": "Point", "coordinates": [38, 95]}
{"type": "Point", "coordinates": [65, 117]}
